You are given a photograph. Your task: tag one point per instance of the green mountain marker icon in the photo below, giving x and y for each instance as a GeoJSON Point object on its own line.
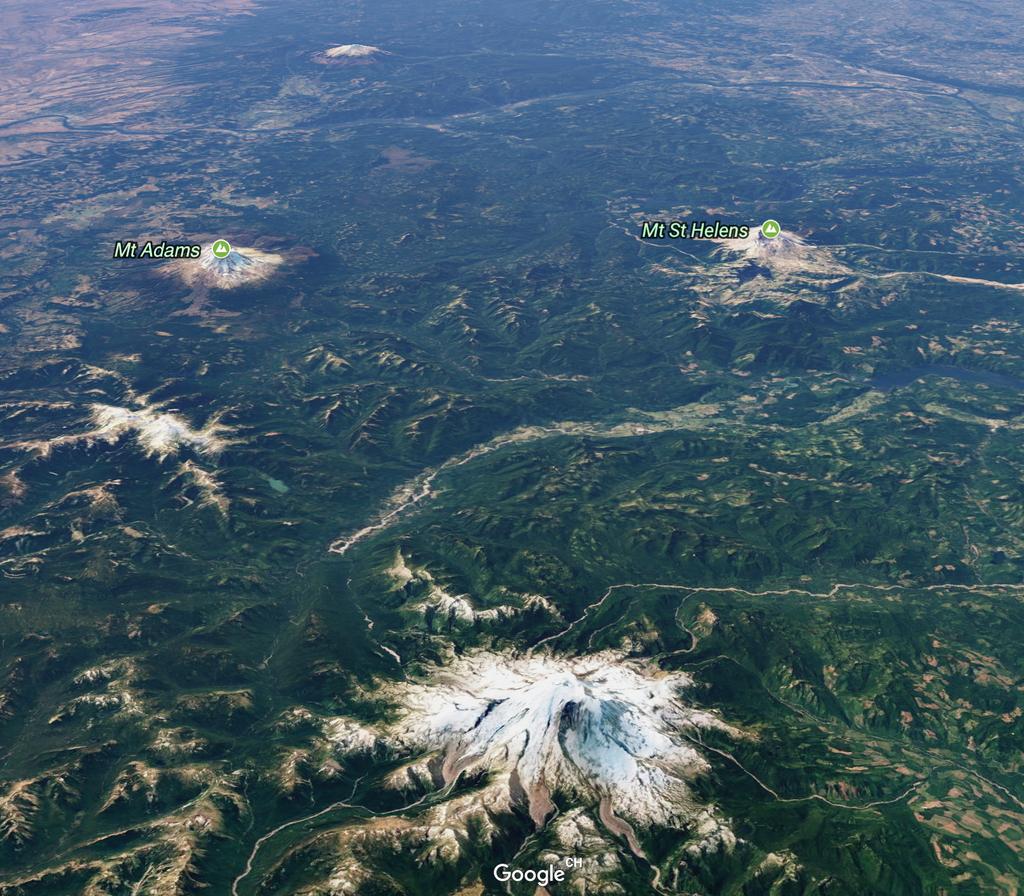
{"type": "Point", "coordinates": [221, 249]}
{"type": "Point", "coordinates": [770, 229]}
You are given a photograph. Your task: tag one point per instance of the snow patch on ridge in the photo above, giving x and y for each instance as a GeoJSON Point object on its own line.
{"type": "Point", "coordinates": [348, 736]}
{"type": "Point", "coordinates": [211, 492]}
{"type": "Point", "coordinates": [158, 433]}
{"type": "Point", "coordinates": [444, 605]}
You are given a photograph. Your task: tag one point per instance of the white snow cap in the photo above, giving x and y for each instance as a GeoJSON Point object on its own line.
{"type": "Point", "coordinates": [353, 51]}
{"type": "Point", "coordinates": [602, 727]}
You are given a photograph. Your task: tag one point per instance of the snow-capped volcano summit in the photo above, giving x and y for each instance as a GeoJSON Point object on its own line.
{"type": "Point", "coordinates": [785, 245]}
{"type": "Point", "coordinates": [604, 728]}
{"type": "Point", "coordinates": [235, 264]}
{"type": "Point", "coordinates": [598, 749]}
{"type": "Point", "coordinates": [353, 51]}
{"type": "Point", "coordinates": [351, 54]}
{"type": "Point", "coordinates": [786, 253]}
{"type": "Point", "coordinates": [241, 267]}
{"type": "Point", "coordinates": [784, 249]}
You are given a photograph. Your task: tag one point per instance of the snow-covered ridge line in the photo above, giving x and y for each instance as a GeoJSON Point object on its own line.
{"type": "Point", "coordinates": [159, 433]}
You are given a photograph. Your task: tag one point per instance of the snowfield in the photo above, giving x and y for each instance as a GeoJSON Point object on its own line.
{"type": "Point", "coordinates": [602, 728]}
